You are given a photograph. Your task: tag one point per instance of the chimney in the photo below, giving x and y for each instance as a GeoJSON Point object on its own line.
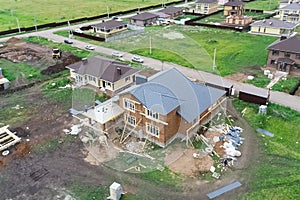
{"type": "Point", "coordinates": [271, 23]}
{"type": "Point", "coordinates": [84, 61]}
{"type": "Point", "coordinates": [119, 70]}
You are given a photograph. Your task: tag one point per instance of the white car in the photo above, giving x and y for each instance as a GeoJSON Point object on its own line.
{"type": "Point", "coordinates": [117, 54]}
{"type": "Point", "coordinates": [136, 58]}
{"type": "Point", "coordinates": [90, 47]}
{"type": "Point", "coordinates": [78, 30]}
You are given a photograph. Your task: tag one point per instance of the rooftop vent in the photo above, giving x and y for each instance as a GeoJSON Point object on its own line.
{"type": "Point", "coordinates": [119, 70]}
{"type": "Point", "coordinates": [271, 23]}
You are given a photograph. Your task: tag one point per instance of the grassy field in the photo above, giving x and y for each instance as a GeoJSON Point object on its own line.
{"type": "Point", "coordinates": [277, 175]}
{"type": "Point", "coordinates": [60, 10]}
{"type": "Point", "coordinates": [286, 85]}
{"type": "Point", "coordinates": [18, 70]}
{"type": "Point", "coordinates": [263, 4]}
{"type": "Point", "coordinates": [194, 47]}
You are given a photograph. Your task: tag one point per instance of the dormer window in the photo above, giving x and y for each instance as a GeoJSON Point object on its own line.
{"type": "Point", "coordinates": [152, 114]}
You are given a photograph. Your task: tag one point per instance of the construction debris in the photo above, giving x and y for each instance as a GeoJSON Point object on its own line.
{"type": "Point", "coordinates": [262, 131]}
{"type": "Point", "coordinates": [224, 190]}
{"type": "Point", "coordinates": [7, 138]}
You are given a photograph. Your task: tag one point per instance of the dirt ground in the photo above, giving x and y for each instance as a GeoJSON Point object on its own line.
{"type": "Point", "coordinates": [35, 55]}
{"type": "Point", "coordinates": [243, 76]}
{"type": "Point", "coordinates": [29, 174]}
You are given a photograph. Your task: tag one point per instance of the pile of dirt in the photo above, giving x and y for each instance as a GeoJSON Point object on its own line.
{"type": "Point", "coordinates": [188, 165]}
{"type": "Point", "coordinates": [21, 132]}
{"type": "Point", "coordinates": [22, 150]}
{"type": "Point", "coordinates": [60, 66]}
{"type": "Point", "coordinates": [40, 57]}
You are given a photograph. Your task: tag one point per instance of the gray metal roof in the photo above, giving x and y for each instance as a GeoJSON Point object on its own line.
{"type": "Point", "coordinates": [109, 24]}
{"type": "Point", "coordinates": [171, 10]}
{"type": "Point", "coordinates": [103, 68]}
{"type": "Point", "coordinates": [291, 44]}
{"type": "Point", "coordinates": [207, 1]}
{"type": "Point", "coordinates": [144, 16]}
{"type": "Point", "coordinates": [293, 6]}
{"type": "Point", "coordinates": [169, 89]}
{"type": "Point", "coordinates": [234, 3]}
{"type": "Point", "coordinates": [273, 23]}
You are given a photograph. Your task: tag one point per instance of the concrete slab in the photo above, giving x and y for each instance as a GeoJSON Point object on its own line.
{"type": "Point", "coordinates": [224, 189]}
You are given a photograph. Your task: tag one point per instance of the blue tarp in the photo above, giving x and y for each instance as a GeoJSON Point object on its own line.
{"type": "Point", "coordinates": [224, 189]}
{"type": "Point", "coordinates": [262, 131]}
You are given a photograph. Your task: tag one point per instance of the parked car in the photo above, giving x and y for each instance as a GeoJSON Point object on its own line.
{"type": "Point", "coordinates": [89, 47]}
{"type": "Point", "coordinates": [117, 54]}
{"type": "Point", "coordinates": [136, 58]}
{"type": "Point", "coordinates": [68, 41]}
{"type": "Point", "coordinates": [78, 30]}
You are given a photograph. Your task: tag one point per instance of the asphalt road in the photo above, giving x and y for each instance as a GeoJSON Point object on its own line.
{"type": "Point", "coordinates": [275, 97]}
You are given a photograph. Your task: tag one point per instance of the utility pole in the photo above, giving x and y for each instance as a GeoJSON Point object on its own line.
{"type": "Point", "coordinates": [150, 46]}
{"type": "Point", "coordinates": [18, 24]}
{"type": "Point", "coordinates": [107, 9]}
{"type": "Point", "coordinates": [214, 61]}
{"type": "Point", "coordinates": [35, 24]}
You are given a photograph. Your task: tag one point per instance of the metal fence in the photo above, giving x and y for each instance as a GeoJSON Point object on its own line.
{"type": "Point", "coordinates": [135, 31]}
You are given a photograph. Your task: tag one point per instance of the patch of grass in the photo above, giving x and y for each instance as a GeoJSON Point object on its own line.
{"type": "Point", "coordinates": [263, 4]}
{"type": "Point", "coordinates": [286, 85]}
{"type": "Point", "coordinates": [64, 47]}
{"type": "Point", "coordinates": [53, 144]}
{"type": "Point", "coordinates": [277, 176]}
{"type": "Point", "coordinates": [163, 55]}
{"type": "Point", "coordinates": [21, 70]}
{"type": "Point", "coordinates": [260, 80]}
{"type": "Point", "coordinates": [89, 192]}
{"type": "Point", "coordinates": [232, 55]}
{"type": "Point", "coordinates": [219, 17]}
{"type": "Point", "coordinates": [256, 16]}
{"type": "Point", "coordinates": [165, 177]}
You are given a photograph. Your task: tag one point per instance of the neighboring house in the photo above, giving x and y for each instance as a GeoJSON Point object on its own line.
{"type": "Point", "coordinates": [109, 27]}
{"type": "Point", "coordinates": [233, 7]}
{"type": "Point", "coordinates": [206, 6]}
{"type": "Point", "coordinates": [273, 27]}
{"type": "Point", "coordinates": [162, 15]}
{"type": "Point", "coordinates": [143, 19]}
{"type": "Point", "coordinates": [284, 54]}
{"type": "Point", "coordinates": [241, 20]}
{"type": "Point", "coordinates": [287, 2]}
{"type": "Point", "coordinates": [172, 11]}
{"type": "Point", "coordinates": [103, 73]}
{"type": "Point", "coordinates": [168, 106]}
{"type": "Point", "coordinates": [4, 82]}
{"type": "Point", "coordinates": [290, 13]}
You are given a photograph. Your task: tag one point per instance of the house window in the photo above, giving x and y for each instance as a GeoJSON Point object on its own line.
{"type": "Point", "coordinates": [286, 12]}
{"type": "Point", "coordinates": [298, 56]}
{"type": "Point", "coordinates": [127, 79]}
{"type": "Point", "coordinates": [153, 130]}
{"type": "Point", "coordinates": [287, 54]}
{"type": "Point", "coordinates": [152, 114]}
{"type": "Point", "coordinates": [130, 119]}
{"type": "Point", "coordinates": [272, 62]}
{"type": "Point", "coordinates": [129, 105]}
{"type": "Point", "coordinates": [275, 52]}
{"type": "Point", "coordinates": [108, 84]}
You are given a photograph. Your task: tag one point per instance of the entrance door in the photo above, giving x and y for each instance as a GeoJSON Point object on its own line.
{"type": "Point", "coordinates": [103, 84]}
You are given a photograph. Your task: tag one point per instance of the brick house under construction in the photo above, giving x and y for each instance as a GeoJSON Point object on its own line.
{"type": "Point", "coordinates": [169, 106]}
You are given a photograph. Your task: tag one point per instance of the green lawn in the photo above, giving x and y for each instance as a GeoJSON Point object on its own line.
{"type": "Point", "coordinates": [263, 4]}
{"type": "Point", "coordinates": [20, 70]}
{"type": "Point", "coordinates": [194, 47]}
{"type": "Point", "coordinates": [61, 10]}
{"type": "Point", "coordinates": [286, 85]}
{"type": "Point", "coordinates": [277, 175]}
{"type": "Point", "coordinates": [260, 80]}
